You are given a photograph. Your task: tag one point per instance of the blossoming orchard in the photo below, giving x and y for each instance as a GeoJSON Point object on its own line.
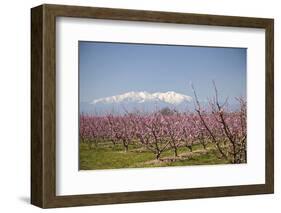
{"type": "Point", "coordinates": [213, 127]}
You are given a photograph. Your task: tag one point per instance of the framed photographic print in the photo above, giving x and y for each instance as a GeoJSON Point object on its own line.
{"type": "Point", "coordinates": [136, 106]}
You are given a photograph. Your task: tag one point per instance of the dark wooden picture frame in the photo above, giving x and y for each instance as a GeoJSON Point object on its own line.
{"type": "Point", "coordinates": [43, 105]}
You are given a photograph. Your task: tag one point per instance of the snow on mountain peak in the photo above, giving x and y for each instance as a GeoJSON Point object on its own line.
{"type": "Point", "coordinates": [141, 97]}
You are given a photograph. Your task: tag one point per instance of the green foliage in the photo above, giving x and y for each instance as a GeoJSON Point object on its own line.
{"type": "Point", "coordinates": [167, 111]}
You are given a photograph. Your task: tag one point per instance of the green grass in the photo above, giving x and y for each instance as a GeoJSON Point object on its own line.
{"type": "Point", "coordinates": [107, 156]}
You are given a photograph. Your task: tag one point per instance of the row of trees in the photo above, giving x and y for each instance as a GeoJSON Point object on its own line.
{"type": "Point", "coordinates": [158, 132]}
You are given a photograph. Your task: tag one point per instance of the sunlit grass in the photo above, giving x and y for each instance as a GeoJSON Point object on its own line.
{"type": "Point", "coordinates": [107, 156]}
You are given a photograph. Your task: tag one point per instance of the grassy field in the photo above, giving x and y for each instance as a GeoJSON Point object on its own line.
{"type": "Point", "coordinates": [107, 156]}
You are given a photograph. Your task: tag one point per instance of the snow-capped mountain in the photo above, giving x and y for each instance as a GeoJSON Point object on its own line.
{"type": "Point", "coordinates": [143, 101]}
{"type": "Point", "coordinates": [141, 97]}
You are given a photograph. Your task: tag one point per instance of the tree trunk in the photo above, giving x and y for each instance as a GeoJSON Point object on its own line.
{"type": "Point", "coordinates": [126, 148]}
{"type": "Point", "coordinates": [189, 147]}
{"type": "Point", "coordinates": [245, 155]}
{"type": "Point", "coordinates": [126, 145]}
{"type": "Point", "coordinates": [158, 155]}
{"type": "Point", "coordinates": [235, 160]}
{"type": "Point", "coordinates": [175, 152]}
{"type": "Point", "coordinates": [204, 145]}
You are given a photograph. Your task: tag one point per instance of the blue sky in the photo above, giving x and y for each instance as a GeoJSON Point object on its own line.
{"type": "Point", "coordinates": [107, 69]}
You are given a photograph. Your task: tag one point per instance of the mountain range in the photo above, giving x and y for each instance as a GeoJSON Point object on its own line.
{"type": "Point", "coordinates": [137, 101]}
